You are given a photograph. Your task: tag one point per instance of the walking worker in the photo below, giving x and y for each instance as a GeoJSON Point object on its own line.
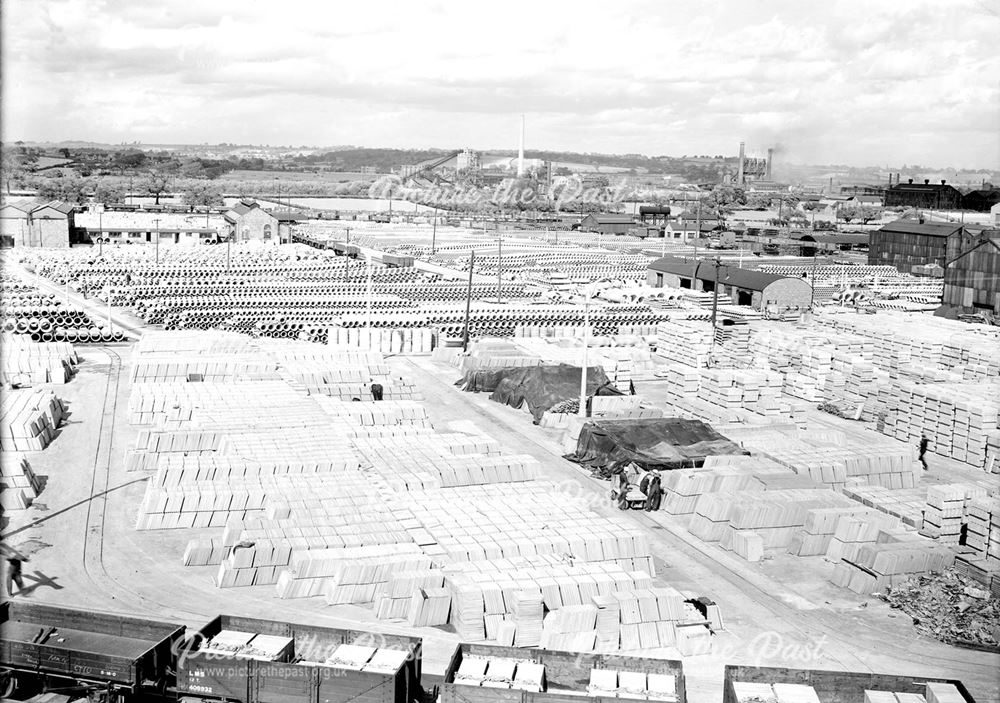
{"type": "Point", "coordinates": [923, 450]}
{"type": "Point", "coordinates": [14, 561]}
{"type": "Point", "coordinates": [376, 391]}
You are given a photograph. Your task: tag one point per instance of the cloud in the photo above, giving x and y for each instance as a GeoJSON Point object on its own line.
{"type": "Point", "coordinates": [846, 82]}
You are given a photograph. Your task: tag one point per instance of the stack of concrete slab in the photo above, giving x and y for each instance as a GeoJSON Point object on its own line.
{"type": "Point", "coordinates": [26, 363]}
{"type": "Point", "coordinates": [983, 536]}
{"type": "Point", "coordinates": [407, 340]}
{"type": "Point", "coordinates": [946, 510]}
{"type": "Point", "coordinates": [28, 419]}
{"type": "Point", "coordinates": [878, 566]}
{"type": "Point", "coordinates": [684, 341]}
{"type": "Point", "coordinates": [19, 485]}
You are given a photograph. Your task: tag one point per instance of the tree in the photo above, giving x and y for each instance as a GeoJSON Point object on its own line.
{"type": "Point", "coordinates": [70, 189]}
{"type": "Point", "coordinates": [813, 206]}
{"type": "Point", "coordinates": [13, 168]}
{"type": "Point", "coordinates": [107, 192]}
{"type": "Point", "coordinates": [863, 213]}
{"type": "Point", "coordinates": [202, 193]}
{"type": "Point", "coordinates": [129, 159]}
{"type": "Point", "coordinates": [155, 184]}
{"type": "Point", "coordinates": [724, 199]}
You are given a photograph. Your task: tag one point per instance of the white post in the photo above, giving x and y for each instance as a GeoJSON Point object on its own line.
{"type": "Point", "coordinates": [67, 291]}
{"type": "Point", "coordinates": [586, 341]}
{"type": "Point", "coordinates": [368, 294]}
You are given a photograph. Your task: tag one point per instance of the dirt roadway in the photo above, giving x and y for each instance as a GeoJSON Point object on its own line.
{"type": "Point", "coordinates": [780, 612]}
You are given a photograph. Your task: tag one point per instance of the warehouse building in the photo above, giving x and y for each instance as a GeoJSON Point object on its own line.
{"type": "Point", "coordinates": [972, 274]}
{"type": "Point", "coordinates": [739, 286]}
{"type": "Point", "coordinates": [908, 243]}
{"type": "Point", "coordinates": [932, 196]}
{"type": "Point", "coordinates": [607, 224]}
{"type": "Point", "coordinates": [250, 222]}
{"type": "Point", "coordinates": [27, 224]}
{"type": "Point", "coordinates": [981, 200]}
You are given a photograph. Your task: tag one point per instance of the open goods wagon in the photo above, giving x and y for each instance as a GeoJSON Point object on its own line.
{"type": "Point", "coordinates": [845, 686]}
{"type": "Point", "coordinates": [107, 655]}
{"type": "Point", "coordinates": [564, 676]}
{"type": "Point", "coordinates": [296, 674]}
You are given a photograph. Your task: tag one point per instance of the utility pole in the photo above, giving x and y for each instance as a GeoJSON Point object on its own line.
{"type": "Point", "coordinates": [812, 283]}
{"type": "Point", "coordinates": [499, 263]}
{"type": "Point", "coordinates": [157, 221]}
{"type": "Point", "coordinates": [434, 235]}
{"type": "Point", "coordinates": [468, 301]}
{"type": "Point", "coordinates": [368, 293]}
{"type": "Point", "coordinates": [100, 231]}
{"type": "Point", "coordinates": [715, 296]}
{"type": "Point", "coordinates": [582, 412]}
{"type": "Point", "coordinates": [348, 235]}
{"type": "Point", "coordinates": [229, 243]}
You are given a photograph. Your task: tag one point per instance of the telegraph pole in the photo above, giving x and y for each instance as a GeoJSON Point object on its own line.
{"type": "Point", "coordinates": [468, 302]}
{"type": "Point", "coordinates": [434, 235]}
{"type": "Point", "coordinates": [499, 262]}
{"type": "Point", "coordinates": [582, 412]}
{"type": "Point", "coordinates": [715, 296]}
{"type": "Point", "coordinates": [157, 221]}
{"type": "Point", "coordinates": [812, 283]}
{"type": "Point", "coordinates": [368, 293]}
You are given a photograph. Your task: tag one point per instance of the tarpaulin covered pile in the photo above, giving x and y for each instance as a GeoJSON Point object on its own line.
{"type": "Point", "coordinates": [654, 443]}
{"type": "Point", "coordinates": [538, 387]}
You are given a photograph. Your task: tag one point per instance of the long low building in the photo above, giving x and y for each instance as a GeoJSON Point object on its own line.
{"type": "Point", "coordinates": [738, 285]}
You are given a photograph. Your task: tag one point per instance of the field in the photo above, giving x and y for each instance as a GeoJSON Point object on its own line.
{"type": "Point", "coordinates": [325, 176]}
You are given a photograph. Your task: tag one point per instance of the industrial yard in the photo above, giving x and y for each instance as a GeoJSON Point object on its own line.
{"type": "Point", "coordinates": [221, 451]}
{"type": "Point", "coordinates": [533, 353]}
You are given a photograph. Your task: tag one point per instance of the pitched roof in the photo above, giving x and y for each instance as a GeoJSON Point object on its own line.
{"type": "Point", "coordinates": [927, 229]}
{"type": "Point", "coordinates": [23, 204]}
{"type": "Point", "coordinates": [747, 279]}
{"type": "Point", "coordinates": [610, 219]}
{"type": "Point", "coordinates": [837, 238]}
{"type": "Point", "coordinates": [242, 207]}
{"type": "Point", "coordinates": [58, 205]}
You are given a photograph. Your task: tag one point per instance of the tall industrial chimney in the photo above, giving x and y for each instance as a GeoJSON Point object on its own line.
{"type": "Point", "coordinates": [770, 158]}
{"type": "Point", "coordinates": [520, 152]}
{"type": "Point", "coordinates": [739, 171]}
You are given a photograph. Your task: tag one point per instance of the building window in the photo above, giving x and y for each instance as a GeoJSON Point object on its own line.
{"type": "Point", "coordinates": [267, 231]}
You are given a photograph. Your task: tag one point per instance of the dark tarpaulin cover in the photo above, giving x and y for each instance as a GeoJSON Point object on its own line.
{"type": "Point", "coordinates": [540, 387]}
{"type": "Point", "coordinates": [655, 443]}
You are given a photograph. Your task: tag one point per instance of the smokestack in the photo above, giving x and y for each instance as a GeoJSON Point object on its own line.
{"type": "Point", "coordinates": [520, 152]}
{"type": "Point", "coordinates": [739, 172]}
{"type": "Point", "coordinates": [770, 158]}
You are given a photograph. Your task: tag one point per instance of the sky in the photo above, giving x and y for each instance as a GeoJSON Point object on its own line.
{"type": "Point", "coordinates": [859, 82]}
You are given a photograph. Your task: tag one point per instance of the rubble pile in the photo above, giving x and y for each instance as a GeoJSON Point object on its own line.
{"type": "Point", "coordinates": [949, 608]}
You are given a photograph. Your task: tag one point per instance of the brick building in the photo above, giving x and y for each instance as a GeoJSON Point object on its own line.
{"type": "Point", "coordinates": [250, 222]}
{"type": "Point", "coordinates": [736, 285]}
{"type": "Point", "coordinates": [926, 195]}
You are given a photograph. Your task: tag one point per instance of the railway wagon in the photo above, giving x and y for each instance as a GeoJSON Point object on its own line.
{"type": "Point", "coordinates": [294, 666]}
{"type": "Point", "coordinates": [838, 686]}
{"type": "Point", "coordinates": [108, 654]}
{"type": "Point", "coordinates": [557, 677]}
